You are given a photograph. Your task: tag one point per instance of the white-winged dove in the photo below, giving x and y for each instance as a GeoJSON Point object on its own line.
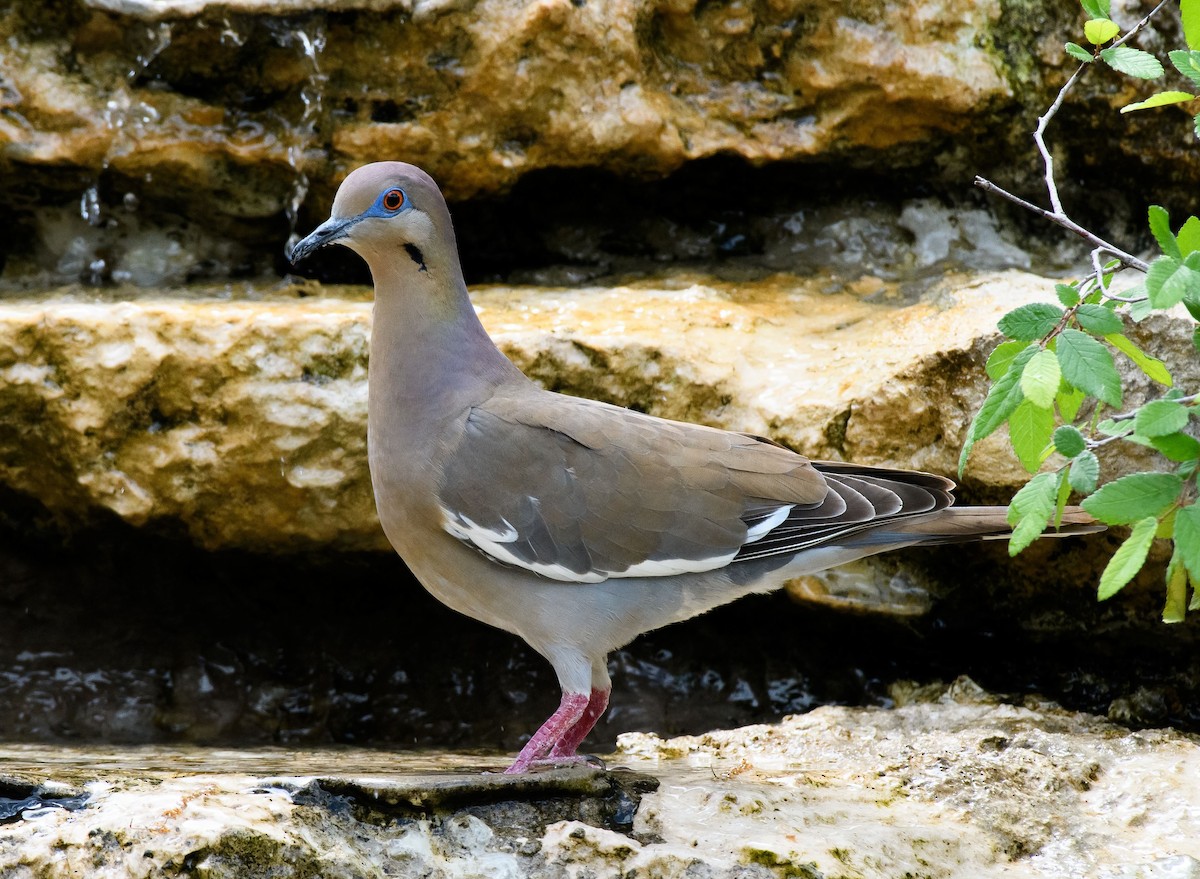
{"type": "Point", "coordinates": [574, 524]}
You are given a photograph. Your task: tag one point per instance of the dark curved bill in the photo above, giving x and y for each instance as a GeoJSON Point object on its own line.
{"type": "Point", "coordinates": [327, 233]}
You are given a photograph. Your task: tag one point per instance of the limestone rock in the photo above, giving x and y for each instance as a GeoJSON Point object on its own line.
{"type": "Point", "coordinates": [952, 782]}
{"type": "Point", "coordinates": [243, 421]}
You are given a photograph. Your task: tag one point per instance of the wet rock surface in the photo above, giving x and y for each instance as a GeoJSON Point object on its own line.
{"type": "Point", "coordinates": [950, 783]}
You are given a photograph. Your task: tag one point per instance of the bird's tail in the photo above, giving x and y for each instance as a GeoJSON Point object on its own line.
{"type": "Point", "coordinates": [966, 524]}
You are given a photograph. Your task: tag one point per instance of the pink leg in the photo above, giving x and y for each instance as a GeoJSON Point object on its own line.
{"type": "Point", "coordinates": [570, 710]}
{"type": "Point", "coordinates": [573, 737]}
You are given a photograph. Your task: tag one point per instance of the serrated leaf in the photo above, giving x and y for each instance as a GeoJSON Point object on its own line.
{"type": "Point", "coordinates": [1175, 607]}
{"type": "Point", "coordinates": [1004, 397]}
{"type": "Point", "coordinates": [1161, 99]}
{"type": "Point", "coordinates": [1068, 294]}
{"type": "Point", "coordinates": [1100, 30]}
{"type": "Point", "coordinates": [1128, 559]}
{"type": "Point", "coordinates": [1030, 322]}
{"type": "Point", "coordinates": [1168, 281]}
{"type": "Point", "coordinates": [1187, 538]}
{"type": "Point", "coordinates": [1177, 447]}
{"type": "Point", "coordinates": [1069, 441]}
{"type": "Point", "coordinates": [1078, 52]}
{"type": "Point", "coordinates": [1187, 63]}
{"type": "Point", "coordinates": [1189, 236]}
{"type": "Point", "coordinates": [1084, 473]}
{"type": "Point", "coordinates": [1098, 319]}
{"type": "Point", "coordinates": [1087, 365]}
{"type": "Point", "coordinates": [1069, 400]}
{"type": "Point", "coordinates": [1002, 357]}
{"type": "Point", "coordinates": [1030, 511]}
{"type": "Point", "coordinates": [1160, 227]}
{"type": "Point", "coordinates": [1029, 430]}
{"type": "Point", "coordinates": [1134, 497]}
{"type": "Point", "coordinates": [1159, 418]}
{"type": "Point", "coordinates": [1189, 11]}
{"type": "Point", "coordinates": [1095, 8]}
{"type": "Point", "coordinates": [1141, 309]}
{"type": "Point", "coordinates": [1039, 381]}
{"type": "Point", "coordinates": [1151, 366]}
{"type": "Point", "coordinates": [1133, 62]}
{"type": "Point", "coordinates": [1111, 427]}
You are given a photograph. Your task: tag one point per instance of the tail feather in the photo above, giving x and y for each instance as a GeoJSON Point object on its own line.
{"type": "Point", "coordinates": [966, 524]}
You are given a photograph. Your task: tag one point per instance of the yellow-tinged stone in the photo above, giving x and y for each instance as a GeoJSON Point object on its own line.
{"type": "Point", "coordinates": [245, 420]}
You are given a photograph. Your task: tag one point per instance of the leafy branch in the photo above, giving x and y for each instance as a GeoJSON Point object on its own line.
{"type": "Point", "coordinates": [1056, 376]}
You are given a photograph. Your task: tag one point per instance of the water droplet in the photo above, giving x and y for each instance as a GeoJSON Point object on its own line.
{"type": "Point", "coordinates": [89, 205]}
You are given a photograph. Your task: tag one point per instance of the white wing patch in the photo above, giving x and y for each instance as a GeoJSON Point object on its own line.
{"type": "Point", "coordinates": [492, 542]}
{"type": "Point", "coordinates": [769, 524]}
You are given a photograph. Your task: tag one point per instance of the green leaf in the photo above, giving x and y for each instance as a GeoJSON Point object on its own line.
{"type": "Point", "coordinates": [1030, 322]}
{"type": "Point", "coordinates": [1077, 51]}
{"type": "Point", "coordinates": [1029, 431]}
{"type": "Point", "coordinates": [1141, 309]}
{"type": "Point", "coordinates": [1109, 427]}
{"type": "Point", "coordinates": [1069, 400]}
{"type": "Point", "coordinates": [1160, 226]}
{"type": "Point", "coordinates": [1002, 357]}
{"type": "Point", "coordinates": [1087, 365]}
{"type": "Point", "coordinates": [1100, 30]}
{"type": "Point", "coordinates": [1060, 502]}
{"type": "Point", "coordinates": [1134, 62]}
{"type": "Point", "coordinates": [1168, 281]}
{"type": "Point", "coordinates": [1175, 608]}
{"type": "Point", "coordinates": [1187, 63]}
{"type": "Point", "coordinates": [1151, 366]}
{"type": "Point", "coordinates": [1161, 99]}
{"type": "Point", "coordinates": [1069, 441]}
{"type": "Point", "coordinates": [1030, 511]}
{"type": "Point", "coordinates": [1084, 473]}
{"type": "Point", "coordinates": [1187, 538]}
{"type": "Point", "coordinates": [1095, 8]}
{"type": "Point", "coordinates": [1160, 417]}
{"type": "Point", "coordinates": [1039, 381]}
{"type": "Point", "coordinates": [1128, 559]}
{"type": "Point", "coordinates": [1161, 270]}
{"type": "Point", "coordinates": [1189, 10]}
{"type": "Point", "coordinates": [1003, 398]}
{"type": "Point", "coordinates": [1177, 447]}
{"type": "Point", "coordinates": [1134, 497]}
{"type": "Point", "coordinates": [1068, 294]}
{"type": "Point", "coordinates": [1098, 319]}
{"type": "Point", "coordinates": [1189, 236]}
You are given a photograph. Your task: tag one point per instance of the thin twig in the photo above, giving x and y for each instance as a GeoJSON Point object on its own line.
{"type": "Point", "coordinates": [1066, 222]}
{"type": "Point", "coordinates": [1058, 215]}
{"type": "Point", "coordinates": [1125, 416]}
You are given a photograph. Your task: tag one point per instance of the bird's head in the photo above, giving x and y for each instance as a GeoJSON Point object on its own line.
{"type": "Point", "coordinates": [387, 211]}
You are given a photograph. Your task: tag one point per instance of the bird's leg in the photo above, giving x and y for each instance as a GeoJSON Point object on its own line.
{"type": "Point", "coordinates": [570, 710]}
{"type": "Point", "coordinates": [573, 737]}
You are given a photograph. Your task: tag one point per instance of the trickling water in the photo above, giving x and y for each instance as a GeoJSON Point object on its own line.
{"type": "Point", "coordinates": [127, 118]}
{"type": "Point", "coordinates": [303, 134]}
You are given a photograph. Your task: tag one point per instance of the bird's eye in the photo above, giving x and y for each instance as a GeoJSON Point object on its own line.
{"type": "Point", "coordinates": [393, 200]}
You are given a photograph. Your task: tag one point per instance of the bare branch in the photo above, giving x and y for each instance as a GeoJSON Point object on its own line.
{"type": "Point", "coordinates": [1127, 259]}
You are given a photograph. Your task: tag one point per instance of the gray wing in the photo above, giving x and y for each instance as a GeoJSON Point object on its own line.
{"type": "Point", "coordinates": [580, 491]}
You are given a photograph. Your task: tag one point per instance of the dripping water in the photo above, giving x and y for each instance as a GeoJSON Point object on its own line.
{"type": "Point", "coordinates": [128, 119]}
{"type": "Point", "coordinates": [302, 135]}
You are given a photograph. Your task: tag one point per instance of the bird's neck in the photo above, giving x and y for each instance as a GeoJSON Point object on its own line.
{"type": "Point", "coordinates": [428, 349]}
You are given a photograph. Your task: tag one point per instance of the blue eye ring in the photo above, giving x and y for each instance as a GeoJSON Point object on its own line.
{"type": "Point", "coordinates": [393, 200]}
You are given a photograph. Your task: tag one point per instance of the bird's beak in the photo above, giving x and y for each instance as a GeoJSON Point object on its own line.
{"type": "Point", "coordinates": [327, 233]}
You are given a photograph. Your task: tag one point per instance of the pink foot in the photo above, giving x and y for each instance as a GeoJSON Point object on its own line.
{"type": "Point", "coordinates": [570, 710]}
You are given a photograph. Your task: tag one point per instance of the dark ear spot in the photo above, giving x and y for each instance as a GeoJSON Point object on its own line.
{"type": "Point", "coordinates": [417, 256]}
